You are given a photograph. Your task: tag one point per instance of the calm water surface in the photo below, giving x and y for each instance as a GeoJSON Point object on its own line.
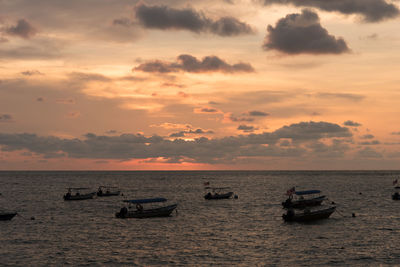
{"type": "Point", "coordinates": [247, 231]}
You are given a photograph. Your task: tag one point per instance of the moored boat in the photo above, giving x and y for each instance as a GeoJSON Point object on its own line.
{"type": "Point", "coordinates": [107, 191]}
{"type": "Point", "coordinates": [139, 212]}
{"type": "Point", "coordinates": [302, 201]}
{"type": "Point", "coordinates": [308, 215]}
{"type": "Point", "coordinates": [217, 193]}
{"type": "Point", "coordinates": [74, 193]}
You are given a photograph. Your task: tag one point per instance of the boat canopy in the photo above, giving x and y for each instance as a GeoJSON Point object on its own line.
{"type": "Point", "coordinates": [146, 200]}
{"type": "Point", "coordinates": [307, 192]}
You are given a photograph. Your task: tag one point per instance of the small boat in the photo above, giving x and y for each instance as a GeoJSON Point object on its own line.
{"type": "Point", "coordinates": [300, 202]}
{"type": "Point", "coordinates": [75, 194]}
{"type": "Point", "coordinates": [308, 215]}
{"type": "Point", "coordinates": [139, 212]}
{"type": "Point", "coordinates": [107, 191]}
{"type": "Point", "coordinates": [7, 215]}
{"type": "Point", "coordinates": [396, 196]}
{"type": "Point", "coordinates": [217, 193]}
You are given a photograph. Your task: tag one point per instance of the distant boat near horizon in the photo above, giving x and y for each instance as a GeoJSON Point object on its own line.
{"type": "Point", "coordinates": [302, 201]}
{"type": "Point", "coordinates": [108, 191]}
{"type": "Point", "coordinates": [308, 215]}
{"type": "Point", "coordinates": [139, 212]}
{"type": "Point", "coordinates": [217, 193]}
{"type": "Point", "coordinates": [74, 193]}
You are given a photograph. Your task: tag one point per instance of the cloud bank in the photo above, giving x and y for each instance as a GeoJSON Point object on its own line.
{"type": "Point", "coordinates": [188, 63]}
{"type": "Point", "coordinates": [304, 138]}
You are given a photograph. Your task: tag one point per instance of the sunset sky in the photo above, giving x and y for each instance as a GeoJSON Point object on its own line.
{"type": "Point", "coordinates": [182, 85]}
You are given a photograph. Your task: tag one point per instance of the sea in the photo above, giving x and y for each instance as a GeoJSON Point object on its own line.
{"type": "Point", "coordinates": [247, 231]}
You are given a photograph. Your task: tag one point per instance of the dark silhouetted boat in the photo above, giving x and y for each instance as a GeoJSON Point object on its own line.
{"type": "Point", "coordinates": [308, 215]}
{"type": "Point", "coordinates": [139, 212]}
{"type": "Point", "coordinates": [396, 195]}
{"type": "Point", "coordinates": [304, 199]}
{"type": "Point", "coordinates": [7, 215]}
{"type": "Point", "coordinates": [74, 193]}
{"type": "Point", "coordinates": [108, 191]}
{"type": "Point", "coordinates": [217, 193]}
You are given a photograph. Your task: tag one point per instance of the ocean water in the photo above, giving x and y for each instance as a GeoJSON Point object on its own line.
{"type": "Point", "coordinates": [248, 231]}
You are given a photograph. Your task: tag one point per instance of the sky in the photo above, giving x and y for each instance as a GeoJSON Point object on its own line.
{"type": "Point", "coordinates": [199, 85]}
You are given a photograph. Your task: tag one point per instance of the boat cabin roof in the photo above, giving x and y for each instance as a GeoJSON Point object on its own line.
{"type": "Point", "coordinates": [307, 192]}
{"type": "Point", "coordinates": [146, 200]}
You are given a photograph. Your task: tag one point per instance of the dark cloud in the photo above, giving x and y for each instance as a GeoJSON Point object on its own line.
{"type": "Point", "coordinates": [190, 63]}
{"type": "Point", "coordinates": [352, 97]}
{"type": "Point", "coordinates": [191, 131]}
{"type": "Point", "coordinates": [246, 128]}
{"type": "Point", "coordinates": [368, 152]}
{"type": "Point", "coordinates": [370, 143]}
{"type": "Point", "coordinates": [233, 118]}
{"type": "Point", "coordinates": [367, 136]}
{"type": "Point", "coordinates": [351, 123]}
{"type": "Point", "coordinates": [209, 110]}
{"type": "Point", "coordinates": [304, 139]}
{"type": "Point", "coordinates": [6, 118]}
{"type": "Point", "coordinates": [31, 72]}
{"type": "Point", "coordinates": [302, 33]}
{"type": "Point", "coordinates": [23, 29]}
{"type": "Point", "coordinates": [166, 18]}
{"type": "Point", "coordinates": [257, 113]}
{"type": "Point", "coordinates": [371, 10]}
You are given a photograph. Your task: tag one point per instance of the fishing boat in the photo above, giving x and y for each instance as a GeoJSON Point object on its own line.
{"type": "Point", "coordinates": [308, 215]}
{"type": "Point", "coordinates": [139, 212]}
{"type": "Point", "coordinates": [74, 193]}
{"type": "Point", "coordinates": [107, 191]}
{"type": "Point", "coordinates": [396, 195]}
{"type": "Point", "coordinates": [303, 199]}
{"type": "Point", "coordinates": [7, 215]}
{"type": "Point", "coordinates": [217, 193]}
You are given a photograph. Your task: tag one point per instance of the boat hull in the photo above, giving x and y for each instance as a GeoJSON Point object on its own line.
{"type": "Point", "coordinates": [309, 216]}
{"type": "Point", "coordinates": [210, 196]}
{"type": "Point", "coordinates": [301, 204]}
{"type": "Point", "coordinates": [6, 216]}
{"type": "Point", "coordinates": [110, 194]}
{"type": "Point", "coordinates": [147, 213]}
{"type": "Point", "coordinates": [79, 197]}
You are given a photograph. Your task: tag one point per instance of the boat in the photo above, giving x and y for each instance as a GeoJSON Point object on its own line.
{"type": "Point", "coordinates": [139, 212]}
{"type": "Point", "coordinates": [308, 215]}
{"type": "Point", "coordinates": [107, 191]}
{"type": "Point", "coordinates": [300, 202]}
{"type": "Point", "coordinates": [75, 194]}
{"type": "Point", "coordinates": [217, 193]}
{"type": "Point", "coordinates": [396, 196]}
{"type": "Point", "coordinates": [7, 215]}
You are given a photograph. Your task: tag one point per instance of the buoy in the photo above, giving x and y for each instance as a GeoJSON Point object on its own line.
{"type": "Point", "coordinates": [353, 215]}
{"type": "Point", "coordinates": [360, 193]}
{"type": "Point", "coordinates": [32, 218]}
{"type": "Point", "coordinates": [333, 203]}
{"type": "Point", "coordinates": [236, 197]}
